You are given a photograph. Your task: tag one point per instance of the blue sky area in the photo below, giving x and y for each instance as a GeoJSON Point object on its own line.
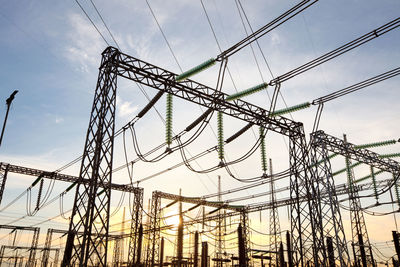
{"type": "Point", "coordinates": [50, 52]}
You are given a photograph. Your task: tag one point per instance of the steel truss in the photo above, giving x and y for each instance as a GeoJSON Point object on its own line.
{"type": "Point", "coordinates": [361, 244]}
{"type": "Point", "coordinates": [331, 219]}
{"type": "Point", "coordinates": [274, 224]}
{"type": "Point", "coordinates": [152, 256]}
{"type": "Point", "coordinates": [89, 206]}
{"type": "Point", "coordinates": [136, 211]}
{"type": "Point", "coordinates": [35, 238]}
{"type": "Point", "coordinates": [91, 211]}
{"type": "Point", "coordinates": [163, 80]}
{"type": "Point", "coordinates": [3, 178]}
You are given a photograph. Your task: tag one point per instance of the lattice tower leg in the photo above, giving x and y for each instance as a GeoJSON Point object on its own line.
{"type": "Point", "coordinates": [88, 230]}
{"type": "Point", "coordinates": [136, 220]}
{"type": "Point", "coordinates": [307, 236]}
{"type": "Point", "coordinates": [32, 254]}
{"type": "Point", "coordinates": [274, 224]}
{"type": "Point", "coordinates": [244, 220]}
{"type": "Point", "coordinates": [154, 249]}
{"type": "Point", "coordinates": [331, 218]}
{"type": "Point", "coordinates": [47, 245]}
{"type": "Point", "coordinates": [3, 179]}
{"type": "Point", "coordinates": [359, 231]}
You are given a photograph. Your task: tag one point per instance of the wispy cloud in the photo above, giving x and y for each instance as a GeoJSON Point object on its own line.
{"type": "Point", "coordinates": [84, 45]}
{"type": "Point", "coordinates": [125, 108]}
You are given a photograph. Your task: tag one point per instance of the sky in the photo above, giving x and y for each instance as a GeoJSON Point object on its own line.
{"type": "Point", "coordinates": [51, 52]}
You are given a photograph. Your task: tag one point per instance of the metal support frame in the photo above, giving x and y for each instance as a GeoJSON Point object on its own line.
{"type": "Point", "coordinates": [342, 147]}
{"type": "Point", "coordinates": [3, 178]}
{"type": "Point", "coordinates": [91, 210]}
{"type": "Point", "coordinates": [306, 234]}
{"type": "Point", "coordinates": [154, 233]}
{"type": "Point", "coordinates": [244, 222]}
{"type": "Point", "coordinates": [330, 219]}
{"type": "Point", "coordinates": [35, 238]}
{"type": "Point", "coordinates": [136, 220]}
{"type": "Point", "coordinates": [47, 245]}
{"type": "Point", "coordinates": [62, 177]}
{"type": "Point", "coordinates": [274, 225]}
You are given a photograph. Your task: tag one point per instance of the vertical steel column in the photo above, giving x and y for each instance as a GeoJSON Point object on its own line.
{"type": "Point", "coordinates": [136, 221]}
{"type": "Point", "coordinates": [179, 251]}
{"type": "Point", "coordinates": [88, 230]}
{"type": "Point", "coordinates": [358, 227]}
{"type": "Point", "coordinates": [396, 242]}
{"type": "Point", "coordinates": [196, 249]}
{"type": "Point", "coordinates": [274, 225]}
{"type": "Point", "coordinates": [32, 254]}
{"type": "Point", "coordinates": [289, 249]}
{"type": "Point", "coordinates": [139, 246]}
{"type": "Point", "coordinates": [154, 238]}
{"type": "Point", "coordinates": [244, 221]}
{"type": "Point", "coordinates": [331, 253]}
{"type": "Point", "coordinates": [47, 245]}
{"type": "Point", "coordinates": [241, 247]}
{"type": "Point", "coordinates": [330, 219]}
{"type": "Point", "coordinates": [281, 261]}
{"type": "Point", "coordinates": [306, 235]}
{"type": "Point", "coordinates": [162, 252]}
{"type": "Point", "coordinates": [3, 178]}
{"type": "Point", "coordinates": [204, 254]}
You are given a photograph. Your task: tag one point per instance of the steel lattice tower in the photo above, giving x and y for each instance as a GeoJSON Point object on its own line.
{"type": "Point", "coordinates": [3, 179]}
{"type": "Point", "coordinates": [360, 239]}
{"type": "Point", "coordinates": [330, 220]}
{"type": "Point", "coordinates": [220, 236]}
{"type": "Point", "coordinates": [154, 230]}
{"type": "Point", "coordinates": [274, 225]}
{"type": "Point", "coordinates": [136, 220]}
{"type": "Point", "coordinates": [91, 210]}
{"type": "Point", "coordinates": [307, 236]}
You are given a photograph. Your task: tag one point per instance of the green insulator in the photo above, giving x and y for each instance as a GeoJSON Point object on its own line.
{"type": "Point", "coordinates": [281, 112]}
{"type": "Point", "coordinates": [393, 155]}
{"type": "Point", "coordinates": [348, 172]}
{"type": "Point", "coordinates": [367, 177]}
{"type": "Point", "coordinates": [374, 183]}
{"type": "Point", "coordinates": [323, 160]}
{"type": "Point", "coordinates": [262, 148]}
{"type": "Point", "coordinates": [168, 121]}
{"type": "Point", "coordinates": [220, 136]}
{"type": "Point", "coordinates": [70, 187]}
{"type": "Point", "coordinates": [376, 144]}
{"type": "Point", "coordinates": [195, 70]}
{"type": "Point", "coordinates": [344, 169]}
{"type": "Point", "coordinates": [247, 92]}
{"type": "Point", "coordinates": [397, 191]}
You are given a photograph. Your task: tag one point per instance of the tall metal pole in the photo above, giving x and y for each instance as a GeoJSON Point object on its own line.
{"type": "Point", "coordinates": [289, 249]}
{"type": "Point", "coordinates": [196, 249]}
{"type": "Point", "coordinates": [396, 243]}
{"type": "Point", "coordinates": [180, 235]}
{"type": "Point", "coordinates": [242, 249]}
{"type": "Point", "coordinates": [8, 102]}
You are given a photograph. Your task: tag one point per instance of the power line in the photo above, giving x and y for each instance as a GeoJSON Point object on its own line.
{"type": "Point", "coordinates": [94, 25]}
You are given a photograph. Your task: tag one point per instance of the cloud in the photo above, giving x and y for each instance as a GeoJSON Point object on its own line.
{"type": "Point", "coordinates": [125, 108]}
{"type": "Point", "coordinates": [59, 120]}
{"type": "Point", "coordinates": [84, 44]}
